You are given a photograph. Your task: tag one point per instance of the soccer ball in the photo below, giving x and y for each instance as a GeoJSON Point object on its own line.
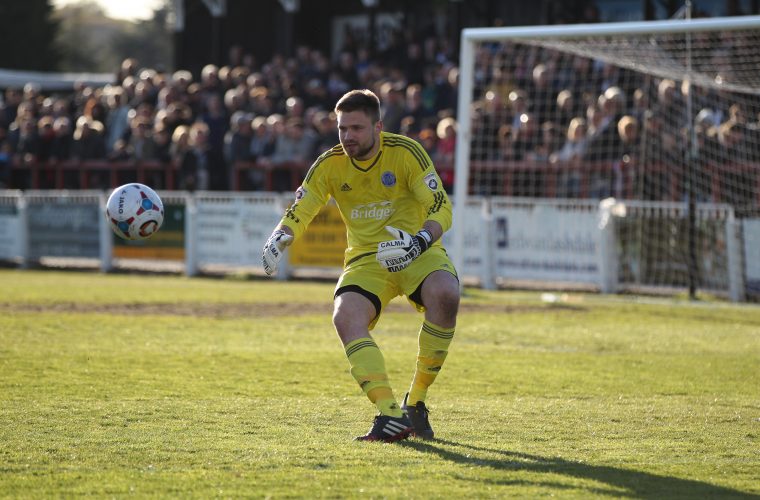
{"type": "Point", "coordinates": [134, 211]}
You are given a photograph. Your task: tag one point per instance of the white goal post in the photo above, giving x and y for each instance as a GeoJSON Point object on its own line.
{"type": "Point", "coordinates": [703, 78]}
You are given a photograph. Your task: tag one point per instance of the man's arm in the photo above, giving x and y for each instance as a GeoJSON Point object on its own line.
{"type": "Point", "coordinates": [428, 190]}
{"type": "Point", "coordinates": [310, 197]}
{"type": "Point", "coordinates": [281, 238]}
{"type": "Point", "coordinates": [285, 229]}
{"type": "Point", "coordinates": [435, 230]}
{"type": "Point", "coordinates": [397, 254]}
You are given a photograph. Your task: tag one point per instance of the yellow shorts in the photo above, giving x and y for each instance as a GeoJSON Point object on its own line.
{"type": "Point", "coordinates": [367, 277]}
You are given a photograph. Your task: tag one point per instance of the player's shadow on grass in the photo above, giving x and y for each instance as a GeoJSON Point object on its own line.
{"type": "Point", "coordinates": [621, 482]}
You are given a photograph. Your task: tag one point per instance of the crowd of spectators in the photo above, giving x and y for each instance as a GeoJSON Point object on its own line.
{"type": "Point", "coordinates": [270, 115]}
{"type": "Point", "coordinates": [601, 129]}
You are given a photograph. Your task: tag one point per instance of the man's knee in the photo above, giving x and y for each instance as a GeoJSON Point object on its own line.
{"type": "Point", "coordinates": [351, 312]}
{"type": "Point", "coordinates": [441, 293]}
{"type": "Point", "coordinates": [343, 320]}
{"type": "Point", "coordinates": [339, 319]}
{"type": "Point", "coordinates": [447, 300]}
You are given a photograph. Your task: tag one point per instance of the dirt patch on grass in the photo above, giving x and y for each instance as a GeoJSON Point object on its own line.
{"type": "Point", "coordinates": [246, 309]}
{"type": "Point", "coordinates": [217, 310]}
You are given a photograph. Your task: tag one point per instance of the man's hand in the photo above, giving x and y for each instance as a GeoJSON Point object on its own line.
{"type": "Point", "coordinates": [398, 253]}
{"type": "Point", "coordinates": [273, 249]}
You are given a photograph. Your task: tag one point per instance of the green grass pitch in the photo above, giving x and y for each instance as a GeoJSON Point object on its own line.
{"type": "Point", "coordinates": [173, 387]}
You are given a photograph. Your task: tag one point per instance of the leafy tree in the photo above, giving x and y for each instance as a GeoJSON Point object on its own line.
{"type": "Point", "coordinates": [148, 41]}
{"type": "Point", "coordinates": [83, 37]}
{"type": "Point", "coordinates": [27, 35]}
{"type": "Point", "coordinates": [91, 41]}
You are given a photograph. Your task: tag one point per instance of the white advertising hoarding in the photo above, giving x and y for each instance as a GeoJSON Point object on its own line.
{"type": "Point", "coordinates": [546, 241]}
{"type": "Point", "coordinates": [10, 231]}
{"type": "Point", "coordinates": [64, 227]}
{"type": "Point", "coordinates": [474, 260]}
{"type": "Point", "coordinates": [751, 231]}
{"type": "Point", "coordinates": [233, 230]}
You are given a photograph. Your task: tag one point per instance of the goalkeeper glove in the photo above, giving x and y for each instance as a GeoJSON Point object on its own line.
{"type": "Point", "coordinates": [273, 249]}
{"type": "Point", "coordinates": [398, 253]}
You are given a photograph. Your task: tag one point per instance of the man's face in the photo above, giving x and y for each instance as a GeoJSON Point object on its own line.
{"type": "Point", "coordinates": [359, 137]}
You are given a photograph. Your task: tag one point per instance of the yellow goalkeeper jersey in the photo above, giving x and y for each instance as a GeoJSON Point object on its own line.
{"type": "Point", "coordinates": [398, 187]}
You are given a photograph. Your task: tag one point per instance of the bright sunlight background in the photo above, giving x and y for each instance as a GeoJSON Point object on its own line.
{"type": "Point", "coordinates": [131, 10]}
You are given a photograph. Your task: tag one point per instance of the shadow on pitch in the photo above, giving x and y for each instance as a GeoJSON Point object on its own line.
{"type": "Point", "coordinates": [620, 482]}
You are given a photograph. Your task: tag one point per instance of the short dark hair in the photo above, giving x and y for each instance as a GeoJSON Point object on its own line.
{"type": "Point", "coordinates": [360, 100]}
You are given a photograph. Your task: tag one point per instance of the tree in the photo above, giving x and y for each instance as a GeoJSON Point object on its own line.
{"type": "Point", "coordinates": [148, 41]}
{"type": "Point", "coordinates": [83, 37]}
{"type": "Point", "coordinates": [90, 41]}
{"type": "Point", "coordinates": [27, 35]}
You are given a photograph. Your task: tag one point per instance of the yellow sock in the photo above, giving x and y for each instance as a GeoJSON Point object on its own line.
{"type": "Point", "coordinates": [368, 368]}
{"type": "Point", "coordinates": [433, 347]}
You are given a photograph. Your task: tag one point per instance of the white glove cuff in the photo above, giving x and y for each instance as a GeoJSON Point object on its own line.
{"type": "Point", "coordinates": [425, 239]}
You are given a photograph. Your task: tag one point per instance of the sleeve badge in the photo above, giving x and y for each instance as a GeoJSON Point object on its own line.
{"type": "Point", "coordinates": [431, 181]}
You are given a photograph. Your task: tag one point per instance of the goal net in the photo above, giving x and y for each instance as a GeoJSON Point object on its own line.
{"type": "Point", "coordinates": [662, 116]}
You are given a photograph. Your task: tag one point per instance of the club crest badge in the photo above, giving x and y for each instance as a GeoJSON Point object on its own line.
{"type": "Point", "coordinates": [300, 193]}
{"type": "Point", "coordinates": [388, 179]}
{"type": "Point", "coordinates": [431, 181]}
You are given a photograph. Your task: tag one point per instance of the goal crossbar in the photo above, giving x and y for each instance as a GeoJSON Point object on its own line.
{"type": "Point", "coordinates": [602, 29]}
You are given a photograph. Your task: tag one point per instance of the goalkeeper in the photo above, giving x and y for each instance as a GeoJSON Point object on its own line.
{"type": "Point", "coordinates": [395, 210]}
